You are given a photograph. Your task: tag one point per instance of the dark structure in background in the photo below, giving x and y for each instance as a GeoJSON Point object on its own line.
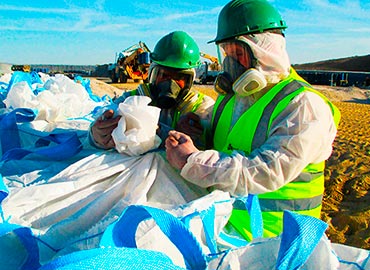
{"type": "Point", "coordinates": [336, 78]}
{"type": "Point", "coordinates": [349, 71]}
{"type": "Point", "coordinates": [69, 70]}
{"type": "Point", "coordinates": [78, 69]}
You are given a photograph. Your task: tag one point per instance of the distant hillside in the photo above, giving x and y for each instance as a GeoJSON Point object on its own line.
{"type": "Point", "coordinates": [355, 63]}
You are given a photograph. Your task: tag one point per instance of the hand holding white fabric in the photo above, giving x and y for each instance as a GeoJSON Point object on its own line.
{"type": "Point", "coordinates": [136, 130]}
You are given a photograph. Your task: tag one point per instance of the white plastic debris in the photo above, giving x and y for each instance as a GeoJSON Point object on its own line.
{"type": "Point", "coordinates": [60, 98]}
{"type": "Point", "coordinates": [136, 130]}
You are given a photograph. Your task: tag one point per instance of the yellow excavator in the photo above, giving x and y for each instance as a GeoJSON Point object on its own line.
{"type": "Point", "coordinates": [210, 70]}
{"type": "Point", "coordinates": [131, 63]}
{"type": "Point", "coordinates": [214, 61]}
{"type": "Point", "coordinates": [24, 68]}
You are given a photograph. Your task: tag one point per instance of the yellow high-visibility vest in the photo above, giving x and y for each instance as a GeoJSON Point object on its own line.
{"type": "Point", "coordinates": [303, 194]}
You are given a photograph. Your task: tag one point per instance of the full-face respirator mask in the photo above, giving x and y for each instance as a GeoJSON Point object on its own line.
{"type": "Point", "coordinates": [168, 91]}
{"type": "Point", "coordinates": [170, 84]}
{"type": "Point", "coordinates": [238, 75]}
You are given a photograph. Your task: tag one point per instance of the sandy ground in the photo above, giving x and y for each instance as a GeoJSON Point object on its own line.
{"type": "Point", "coordinates": [346, 205]}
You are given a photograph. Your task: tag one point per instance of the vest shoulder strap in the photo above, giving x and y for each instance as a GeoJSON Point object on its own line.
{"type": "Point", "coordinates": [144, 90]}
{"type": "Point", "coordinates": [263, 124]}
{"type": "Point", "coordinates": [216, 118]}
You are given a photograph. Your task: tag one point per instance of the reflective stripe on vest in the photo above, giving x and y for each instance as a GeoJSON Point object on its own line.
{"type": "Point", "coordinates": [264, 122]}
{"type": "Point", "coordinates": [144, 90]}
{"type": "Point", "coordinates": [187, 105]}
{"type": "Point", "coordinates": [273, 205]}
{"type": "Point", "coordinates": [218, 109]}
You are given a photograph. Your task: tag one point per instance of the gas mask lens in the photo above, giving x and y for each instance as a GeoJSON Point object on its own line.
{"type": "Point", "coordinates": [184, 78]}
{"type": "Point", "coordinates": [171, 84]}
{"type": "Point", "coordinates": [166, 75]}
{"type": "Point", "coordinates": [235, 59]}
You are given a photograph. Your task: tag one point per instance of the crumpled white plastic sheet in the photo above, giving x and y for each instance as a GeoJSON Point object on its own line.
{"type": "Point", "coordinates": [71, 210]}
{"type": "Point", "coordinates": [136, 130]}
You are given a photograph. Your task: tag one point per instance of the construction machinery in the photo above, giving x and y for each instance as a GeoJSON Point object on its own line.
{"type": "Point", "coordinates": [24, 68]}
{"type": "Point", "coordinates": [131, 63]}
{"type": "Point", "coordinates": [209, 71]}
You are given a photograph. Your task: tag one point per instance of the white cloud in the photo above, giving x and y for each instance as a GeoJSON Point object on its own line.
{"type": "Point", "coordinates": [321, 14]}
{"type": "Point", "coordinates": [36, 10]}
{"type": "Point", "coordinates": [92, 20]}
{"type": "Point", "coordinates": [347, 8]}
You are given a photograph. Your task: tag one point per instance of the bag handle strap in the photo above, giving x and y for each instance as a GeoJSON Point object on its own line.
{"type": "Point", "coordinates": [300, 237]}
{"type": "Point", "coordinates": [4, 192]}
{"type": "Point", "coordinates": [122, 233]}
{"type": "Point", "coordinates": [67, 145]}
{"type": "Point", "coordinates": [207, 217]}
{"type": "Point", "coordinates": [9, 134]}
{"type": "Point", "coordinates": [252, 205]}
{"type": "Point", "coordinates": [116, 258]}
{"type": "Point", "coordinates": [24, 234]}
{"type": "Point", "coordinates": [28, 241]}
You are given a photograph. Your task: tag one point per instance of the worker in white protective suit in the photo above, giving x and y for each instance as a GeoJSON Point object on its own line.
{"type": "Point", "coordinates": [171, 76]}
{"type": "Point", "coordinates": [271, 131]}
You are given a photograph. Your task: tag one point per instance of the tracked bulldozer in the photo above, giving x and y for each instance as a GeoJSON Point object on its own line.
{"type": "Point", "coordinates": [131, 63]}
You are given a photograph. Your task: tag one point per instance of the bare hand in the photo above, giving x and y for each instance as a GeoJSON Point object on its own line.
{"type": "Point", "coordinates": [190, 125]}
{"type": "Point", "coordinates": [179, 147]}
{"type": "Point", "coordinates": [102, 129]}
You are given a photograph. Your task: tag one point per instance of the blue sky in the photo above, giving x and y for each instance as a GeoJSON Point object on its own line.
{"type": "Point", "coordinates": [91, 32]}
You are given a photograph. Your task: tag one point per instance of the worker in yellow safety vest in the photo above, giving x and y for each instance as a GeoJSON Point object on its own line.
{"type": "Point", "coordinates": [271, 131]}
{"type": "Point", "coordinates": [171, 76]}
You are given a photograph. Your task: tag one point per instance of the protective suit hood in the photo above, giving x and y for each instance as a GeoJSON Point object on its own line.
{"type": "Point", "coordinates": [269, 50]}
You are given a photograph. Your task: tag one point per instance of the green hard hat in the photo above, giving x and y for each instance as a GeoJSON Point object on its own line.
{"type": "Point", "coordinates": [176, 50]}
{"type": "Point", "coordinates": [240, 17]}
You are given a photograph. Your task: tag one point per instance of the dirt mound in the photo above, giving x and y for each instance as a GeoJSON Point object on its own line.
{"type": "Point", "coordinates": [345, 94]}
{"type": "Point", "coordinates": [346, 205]}
{"type": "Point", "coordinates": [102, 88]}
